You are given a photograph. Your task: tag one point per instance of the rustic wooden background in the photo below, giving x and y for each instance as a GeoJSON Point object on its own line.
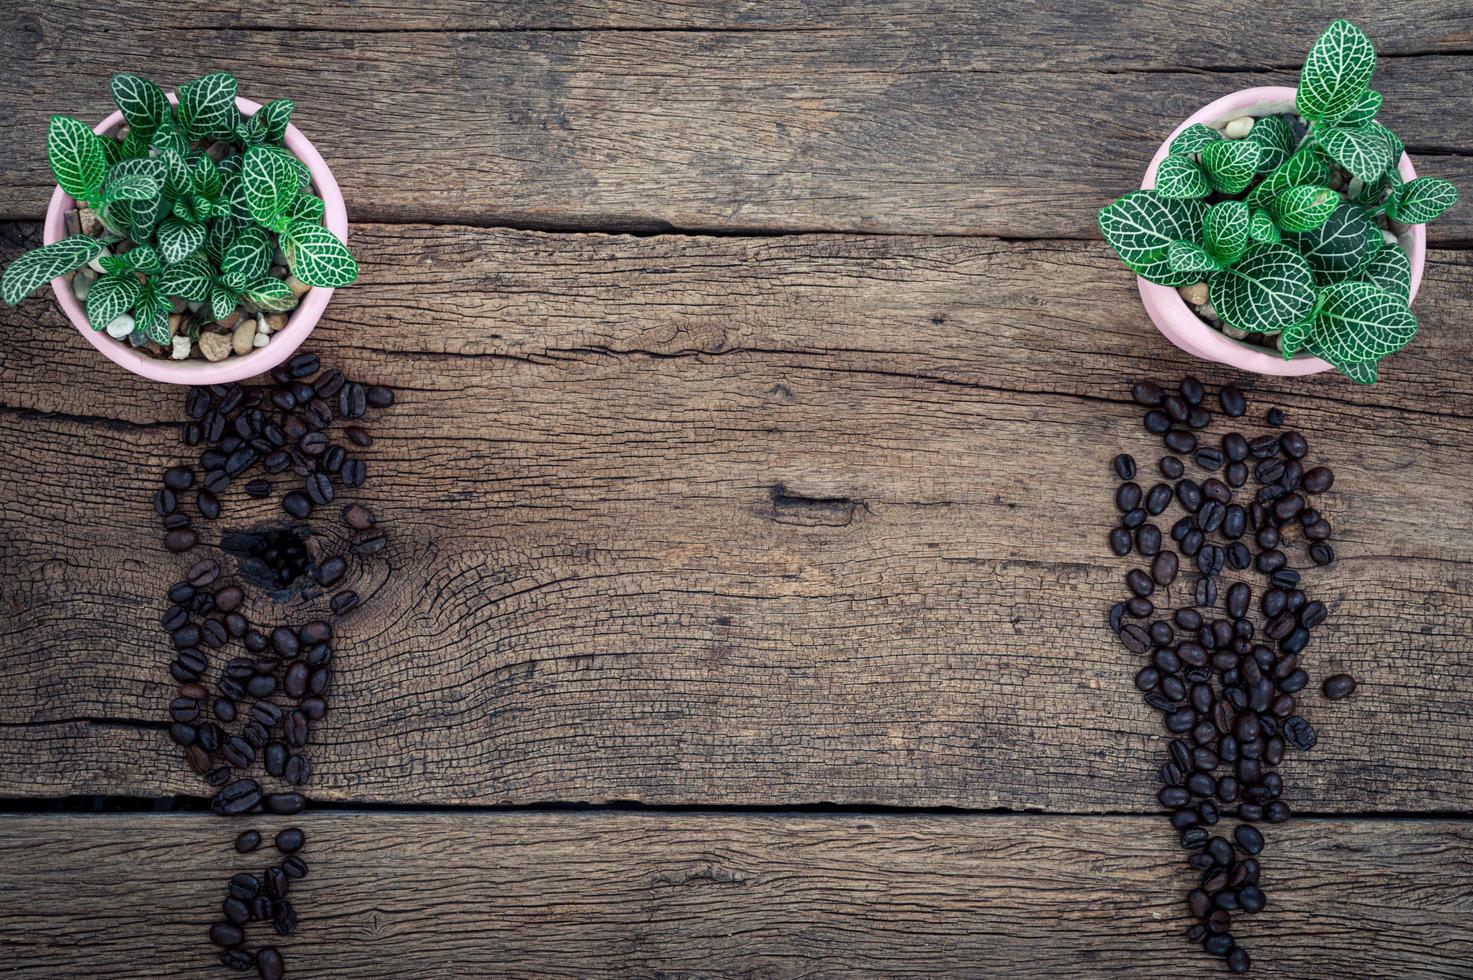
{"type": "Point", "coordinates": [759, 369]}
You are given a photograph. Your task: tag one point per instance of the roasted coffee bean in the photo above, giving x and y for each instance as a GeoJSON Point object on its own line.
{"type": "Point", "coordinates": [1318, 480]}
{"type": "Point", "coordinates": [1157, 422]}
{"type": "Point", "coordinates": [380, 396]}
{"type": "Point", "coordinates": [333, 459]}
{"type": "Point", "coordinates": [297, 504]}
{"type": "Point", "coordinates": [1321, 553]}
{"type": "Point", "coordinates": [1127, 497]}
{"type": "Point", "coordinates": [178, 478]}
{"type": "Point", "coordinates": [183, 735]}
{"type": "Point", "coordinates": [1284, 578]}
{"type": "Point", "coordinates": [214, 633]}
{"type": "Point", "coordinates": [1120, 542]}
{"type": "Point", "coordinates": [269, 964]}
{"type": "Point", "coordinates": [1294, 445]}
{"type": "Point", "coordinates": [1139, 582]}
{"type": "Point", "coordinates": [226, 933]}
{"type": "Point", "coordinates": [261, 686]}
{"type": "Point", "coordinates": [1236, 474]}
{"type": "Point", "coordinates": [353, 401]}
{"type": "Point", "coordinates": [277, 884]}
{"type": "Point", "coordinates": [217, 481]}
{"type": "Point", "coordinates": [355, 472]}
{"type": "Point", "coordinates": [1210, 516]}
{"type": "Point", "coordinates": [1192, 543]}
{"type": "Point", "coordinates": [1288, 506]}
{"type": "Point", "coordinates": [372, 540]}
{"type": "Point", "coordinates": [1300, 733]}
{"type": "Point", "coordinates": [1211, 559]}
{"type": "Point", "coordinates": [297, 729]}
{"type": "Point", "coordinates": [267, 713]}
{"type": "Point", "coordinates": [319, 488]}
{"type": "Point", "coordinates": [313, 444]}
{"type": "Point", "coordinates": [1271, 561]}
{"type": "Point", "coordinates": [303, 366]}
{"type": "Point", "coordinates": [314, 632]}
{"type": "Point", "coordinates": [1205, 593]}
{"type": "Point", "coordinates": [180, 540]}
{"type": "Point", "coordinates": [1208, 459]}
{"type": "Point", "coordinates": [238, 752]}
{"type": "Point", "coordinates": [285, 804]}
{"type": "Point", "coordinates": [174, 617]}
{"type": "Point", "coordinates": [1249, 838]}
{"type": "Point", "coordinates": [344, 601]}
{"type": "Point", "coordinates": [295, 684]}
{"type": "Point", "coordinates": [1232, 401]}
{"type": "Point", "coordinates": [176, 521]}
{"type": "Point", "coordinates": [1189, 493]}
{"type": "Point", "coordinates": [1181, 528]}
{"type": "Point", "coordinates": [1180, 441]}
{"type": "Point", "coordinates": [314, 708]}
{"type": "Point", "coordinates": [1192, 391]}
{"type": "Point", "coordinates": [1312, 615]}
{"type": "Point", "coordinates": [1147, 394]}
{"type": "Point", "coordinates": [274, 757]}
{"type": "Point", "coordinates": [247, 841]}
{"type": "Point", "coordinates": [1238, 597]}
{"type": "Point", "coordinates": [1215, 489]}
{"type": "Point", "coordinates": [238, 797]}
{"type": "Point", "coordinates": [284, 640]}
{"type": "Point", "coordinates": [298, 770]}
{"type": "Point", "coordinates": [1158, 499]}
{"type": "Point", "coordinates": [1148, 539]}
{"type": "Point", "coordinates": [1198, 417]}
{"type": "Point", "coordinates": [1170, 467]}
{"type": "Point", "coordinates": [285, 919]}
{"type": "Point", "coordinates": [318, 654]}
{"type": "Point", "coordinates": [190, 661]}
{"type": "Point", "coordinates": [1193, 837]}
{"type": "Point", "coordinates": [1339, 686]}
{"type": "Point", "coordinates": [1124, 466]}
{"type": "Point", "coordinates": [240, 461]}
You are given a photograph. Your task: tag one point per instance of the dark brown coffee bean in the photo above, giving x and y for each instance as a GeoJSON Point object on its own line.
{"type": "Point", "coordinates": [297, 504]}
{"type": "Point", "coordinates": [180, 540]}
{"type": "Point", "coordinates": [295, 684]}
{"type": "Point", "coordinates": [315, 632]}
{"type": "Point", "coordinates": [214, 633]}
{"type": "Point", "coordinates": [344, 601]}
{"type": "Point", "coordinates": [178, 478]}
{"type": "Point", "coordinates": [1120, 542]}
{"type": "Point", "coordinates": [1293, 445]}
{"type": "Point", "coordinates": [1157, 422]}
{"type": "Point", "coordinates": [303, 366]}
{"type": "Point", "coordinates": [238, 752]}
{"type": "Point", "coordinates": [372, 540]}
{"type": "Point", "coordinates": [1147, 394]}
{"type": "Point", "coordinates": [1180, 441]}
{"type": "Point", "coordinates": [1319, 479]}
{"type": "Point", "coordinates": [261, 686]}
{"type": "Point", "coordinates": [1208, 459]}
{"type": "Point", "coordinates": [226, 933]}
{"type": "Point", "coordinates": [319, 488]}
{"type": "Point", "coordinates": [1148, 539]}
{"type": "Point", "coordinates": [380, 396]}
{"type": "Point", "coordinates": [1136, 640]}
{"type": "Point", "coordinates": [1164, 568]}
{"type": "Point", "coordinates": [1140, 607]}
{"type": "Point", "coordinates": [1139, 582]}
{"type": "Point", "coordinates": [1321, 553]}
{"type": "Point", "coordinates": [269, 964]}
{"type": "Point", "coordinates": [1124, 466]}
{"type": "Point", "coordinates": [355, 473]}
{"type": "Point", "coordinates": [217, 481]}
{"type": "Point", "coordinates": [298, 770]}
{"type": "Point", "coordinates": [238, 797]}
{"type": "Point", "coordinates": [247, 841]}
{"type": "Point", "coordinates": [1232, 401]}
{"type": "Point", "coordinates": [1189, 494]}
{"type": "Point", "coordinates": [1271, 561]}
{"type": "Point", "coordinates": [285, 804]}
{"type": "Point", "coordinates": [1339, 686]}
{"type": "Point", "coordinates": [353, 401]}
{"type": "Point", "coordinates": [1158, 499]}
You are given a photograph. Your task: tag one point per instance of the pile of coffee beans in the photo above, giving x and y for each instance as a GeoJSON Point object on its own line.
{"type": "Point", "coordinates": [244, 721]}
{"type": "Point", "coordinates": [1226, 686]}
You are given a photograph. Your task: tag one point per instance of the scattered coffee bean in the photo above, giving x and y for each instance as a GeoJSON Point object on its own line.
{"type": "Point", "coordinates": [1339, 686]}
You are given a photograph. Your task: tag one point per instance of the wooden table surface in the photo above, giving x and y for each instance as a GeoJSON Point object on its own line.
{"type": "Point", "coordinates": [759, 369]}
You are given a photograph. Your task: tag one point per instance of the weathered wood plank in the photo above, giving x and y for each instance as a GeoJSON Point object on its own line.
{"type": "Point", "coordinates": [906, 130]}
{"type": "Point", "coordinates": [595, 590]}
{"type": "Point", "coordinates": [580, 895]}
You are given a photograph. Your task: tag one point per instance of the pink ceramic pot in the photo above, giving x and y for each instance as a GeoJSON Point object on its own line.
{"type": "Point", "coordinates": [233, 368]}
{"type": "Point", "coordinates": [1174, 318]}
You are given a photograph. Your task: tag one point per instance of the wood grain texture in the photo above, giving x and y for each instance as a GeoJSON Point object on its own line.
{"type": "Point", "coordinates": [997, 130]}
{"type": "Point", "coordinates": [717, 520]}
{"type": "Point", "coordinates": [1154, 33]}
{"type": "Point", "coordinates": [585, 895]}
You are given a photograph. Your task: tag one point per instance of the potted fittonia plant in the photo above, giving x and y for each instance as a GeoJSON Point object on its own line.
{"type": "Point", "coordinates": [185, 229]}
{"type": "Point", "coordinates": [1280, 230]}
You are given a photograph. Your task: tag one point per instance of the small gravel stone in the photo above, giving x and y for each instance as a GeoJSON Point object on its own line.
{"type": "Point", "coordinates": [181, 348]}
{"type": "Point", "coordinates": [275, 321]}
{"type": "Point", "coordinates": [96, 264]}
{"type": "Point", "coordinates": [120, 327]}
{"type": "Point", "coordinates": [82, 283]}
{"type": "Point", "coordinates": [1238, 128]}
{"type": "Point", "coordinates": [215, 346]}
{"type": "Point", "coordinates": [260, 340]}
{"type": "Point", "coordinates": [242, 337]}
{"type": "Point", "coordinates": [297, 286]}
{"type": "Point", "coordinates": [1196, 293]}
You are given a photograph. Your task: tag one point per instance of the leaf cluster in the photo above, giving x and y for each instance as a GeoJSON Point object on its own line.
{"type": "Point", "coordinates": [1260, 221]}
{"type": "Point", "coordinates": [201, 198]}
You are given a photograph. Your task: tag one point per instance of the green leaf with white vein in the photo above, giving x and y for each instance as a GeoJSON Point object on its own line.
{"type": "Point", "coordinates": [1261, 227]}
{"type": "Point", "coordinates": [271, 294]}
{"type": "Point", "coordinates": [1231, 165]}
{"type": "Point", "coordinates": [1421, 200]}
{"type": "Point", "coordinates": [1191, 258]}
{"type": "Point", "coordinates": [1225, 230]}
{"type": "Point", "coordinates": [1180, 177]}
{"type": "Point", "coordinates": [1365, 110]}
{"type": "Point", "coordinates": [1304, 207]}
{"type": "Point", "coordinates": [1194, 139]}
{"type": "Point", "coordinates": [1361, 372]}
{"type": "Point", "coordinates": [1336, 72]}
{"type": "Point", "coordinates": [316, 256]}
{"type": "Point", "coordinates": [188, 279]}
{"type": "Point", "coordinates": [1275, 140]}
{"type": "Point", "coordinates": [77, 157]}
{"type": "Point", "coordinates": [219, 238]}
{"type": "Point", "coordinates": [1362, 151]}
{"type": "Point", "coordinates": [179, 239]}
{"type": "Point", "coordinates": [272, 119]}
{"type": "Point", "coordinates": [1359, 321]}
{"type": "Point", "coordinates": [130, 187]}
{"type": "Point", "coordinates": [1339, 248]}
{"type": "Point", "coordinates": [151, 314]}
{"type": "Point", "coordinates": [1140, 227]}
{"type": "Point", "coordinates": [1391, 271]}
{"type": "Point", "coordinates": [223, 301]}
{"type": "Point", "coordinates": [146, 216]}
{"type": "Point", "coordinates": [1306, 166]}
{"type": "Point", "coordinates": [110, 297]}
{"type": "Point", "coordinates": [1397, 148]}
{"type": "Point", "coordinates": [1270, 287]}
{"type": "Point", "coordinates": [143, 103]}
{"type": "Point", "coordinates": [144, 259]}
{"type": "Point", "coordinates": [270, 184]}
{"type": "Point", "coordinates": [41, 265]}
{"type": "Point", "coordinates": [308, 206]}
{"type": "Point", "coordinates": [207, 106]}
{"type": "Point", "coordinates": [1292, 337]}
{"type": "Point", "coordinates": [249, 255]}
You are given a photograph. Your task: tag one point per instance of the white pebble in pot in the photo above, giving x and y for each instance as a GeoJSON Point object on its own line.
{"type": "Point", "coordinates": [1238, 128]}
{"type": "Point", "coordinates": [181, 348]}
{"type": "Point", "coordinates": [120, 327]}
